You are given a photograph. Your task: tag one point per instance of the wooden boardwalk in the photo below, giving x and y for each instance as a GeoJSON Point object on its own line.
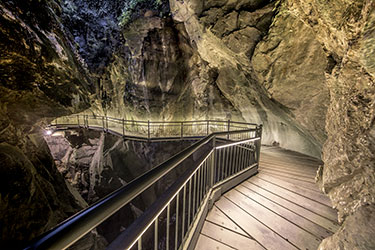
{"type": "Point", "coordinates": [279, 208]}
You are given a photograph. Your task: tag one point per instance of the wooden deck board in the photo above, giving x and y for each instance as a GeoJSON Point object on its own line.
{"type": "Point", "coordinates": [229, 238]}
{"type": "Point", "coordinates": [279, 208]}
{"type": "Point", "coordinates": [308, 185]}
{"type": "Point", "coordinates": [317, 196]}
{"type": "Point", "coordinates": [296, 208]}
{"type": "Point", "coordinates": [217, 217]}
{"type": "Point", "coordinates": [295, 218]}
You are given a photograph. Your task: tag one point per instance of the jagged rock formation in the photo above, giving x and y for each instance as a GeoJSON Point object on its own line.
{"type": "Point", "coordinates": [96, 164]}
{"type": "Point", "coordinates": [41, 78]}
{"type": "Point", "coordinates": [164, 68]}
{"type": "Point", "coordinates": [303, 68]}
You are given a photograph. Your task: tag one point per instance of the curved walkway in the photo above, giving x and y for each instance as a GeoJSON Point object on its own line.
{"type": "Point", "coordinates": [279, 208]}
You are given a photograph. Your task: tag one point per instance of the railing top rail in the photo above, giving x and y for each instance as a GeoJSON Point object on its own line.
{"type": "Point", "coordinates": [91, 116]}
{"type": "Point", "coordinates": [69, 231]}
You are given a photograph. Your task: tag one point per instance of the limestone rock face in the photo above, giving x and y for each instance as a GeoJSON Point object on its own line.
{"type": "Point", "coordinates": [302, 68]}
{"type": "Point", "coordinates": [34, 196]}
{"type": "Point", "coordinates": [41, 77]}
{"type": "Point", "coordinates": [345, 30]}
{"type": "Point", "coordinates": [357, 232]}
{"type": "Point", "coordinates": [291, 65]}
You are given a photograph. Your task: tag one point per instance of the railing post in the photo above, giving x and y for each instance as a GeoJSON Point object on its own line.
{"type": "Point", "coordinates": [208, 127]}
{"type": "Point", "coordinates": [103, 123]}
{"type": "Point", "coordinates": [78, 120]}
{"type": "Point", "coordinates": [259, 142]}
{"type": "Point", "coordinates": [228, 129]}
{"type": "Point", "coordinates": [182, 129]}
{"type": "Point", "coordinates": [106, 122]}
{"type": "Point", "coordinates": [123, 127]}
{"type": "Point", "coordinates": [213, 161]}
{"type": "Point", "coordinates": [87, 120]}
{"type": "Point", "coordinates": [148, 129]}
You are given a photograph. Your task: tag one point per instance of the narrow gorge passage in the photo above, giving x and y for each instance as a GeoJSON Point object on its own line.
{"type": "Point", "coordinates": [304, 69]}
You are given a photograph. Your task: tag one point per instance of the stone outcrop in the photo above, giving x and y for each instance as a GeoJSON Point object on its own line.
{"type": "Point", "coordinates": [303, 68]}
{"type": "Point", "coordinates": [41, 78]}
{"type": "Point", "coordinates": [346, 32]}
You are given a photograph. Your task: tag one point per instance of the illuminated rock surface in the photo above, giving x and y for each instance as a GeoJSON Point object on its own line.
{"type": "Point", "coordinates": [305, 69]}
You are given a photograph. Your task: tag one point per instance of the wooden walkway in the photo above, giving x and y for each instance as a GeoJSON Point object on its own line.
{"type": "Point", "coordinates": [279, 208]}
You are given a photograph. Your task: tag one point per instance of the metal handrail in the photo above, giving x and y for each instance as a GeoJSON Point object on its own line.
{"type": "Point", "coordinates": [71, 230]}
{"type": "Point", "coordinates": [151, 129]}
{"type": "Point", "coordinates": [211, 179]}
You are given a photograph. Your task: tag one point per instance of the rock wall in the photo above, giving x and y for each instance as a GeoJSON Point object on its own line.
{"type": "Point", "coordinates": [96, 164]}
{"type": "Point", "coordinates": [303, 68]}
{"type": "Point", "coordinates": [346, 32]}
{"type": "Point", "coordinates": [163, 67]}
{"type": "Point", "coordinates": [41, 77]}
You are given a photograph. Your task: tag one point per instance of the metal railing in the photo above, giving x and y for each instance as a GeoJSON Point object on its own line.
{"type": "Point", "coordinates": [172, 221]}
{"type": "Point", "coordinates": [151, 130]}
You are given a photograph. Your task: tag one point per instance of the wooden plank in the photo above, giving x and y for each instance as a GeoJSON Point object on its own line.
{"type": "Point", "coordinates": [277, 162]}
{"type": "Point", "coordinates": [316, 218]}
{"type": "Point", "coordinates": [207, 243]}
{"type": "Point", "coordinates": [229, 238]}
{"type": "Point", "coordinates": [297, 199]}
{"type": "Point", "coordinates": [312, 187]}
{"type": "Point", "coordinates": [219, 218]}
{"type": "Point", "coordinates": [262, 234]}
{"type": "Point", "coordinates": [284, 158]}
{"type": "Point", "coordinates": [289, 172]}
{"type": "Point", "coordinates": [294, 234]}
{"type": "Point", "coordinates": [309, 180]}
{"type": "Point", "coordinates": [319, 197]}
{"type": "Point", "coordinates": [295, 218]}
{"type": "Point", "coordinates": [286, 167]}
{"type": "Point", "coordinates": [291, 155]}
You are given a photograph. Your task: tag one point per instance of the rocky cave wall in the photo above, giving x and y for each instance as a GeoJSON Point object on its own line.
{"type": "Point", "coordinates": [159, 67]}
{"type": "Point", "coordinates": [41, 77]}
{"type": "Point", "coordinates": [303, 68]}
{"type": "Point", "coordinates": [96, 164]}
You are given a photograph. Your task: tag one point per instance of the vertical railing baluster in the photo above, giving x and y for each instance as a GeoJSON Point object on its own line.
{"type": "Point", "coordinates": [177, 208]}
{"type": "Point", "coordinates": [220, 165]}
{"type": "Point", "coordinates": [201, 189]}
{"type": "Point", "coordinates": [183, 212]}
{"type": "Point", "coordinates": [239, 158]}
{"type": "Point", "coordinates": [168, 218]}
{"type": "Point", "coordinates": [123, 127]}
{"type": "Point", "coordinates": [156, 238]}
{"type": "Point", "coordinates": [235, 158]}
{"type": "Point", "coordinates": [198, 185]}
{"type": "Point", "coordinates": [140, 243]}
{"type": "Point", "coordinates": [189, 208]}
{"type": "Point", "coordinates": [244, 158]}
{"type": "Point", "coordinates": [208, 127]}
{"type": "Point", "coordinates": [212, 174]}
{"type": "Point", "coordinates": [226, 162]}
{"type": "Point", "coordinates": [106, 122]}
{"type": "Point", "coordinates": [103, 122]}
{"type": "Point", "coordinates": [195, 187]}
{"type": "Point", "coordinates": [230, 149]}
{"type": "Point", "coordinates": [204, 177]}
{"type": "Point", "coordinates": [148, 130]}
{"type": "Point", "coordinates": [182, 129]}
{"type": "Point", "coordinates": [228, 129]}
{"type": "Point", "coordinates": [78, 121]}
